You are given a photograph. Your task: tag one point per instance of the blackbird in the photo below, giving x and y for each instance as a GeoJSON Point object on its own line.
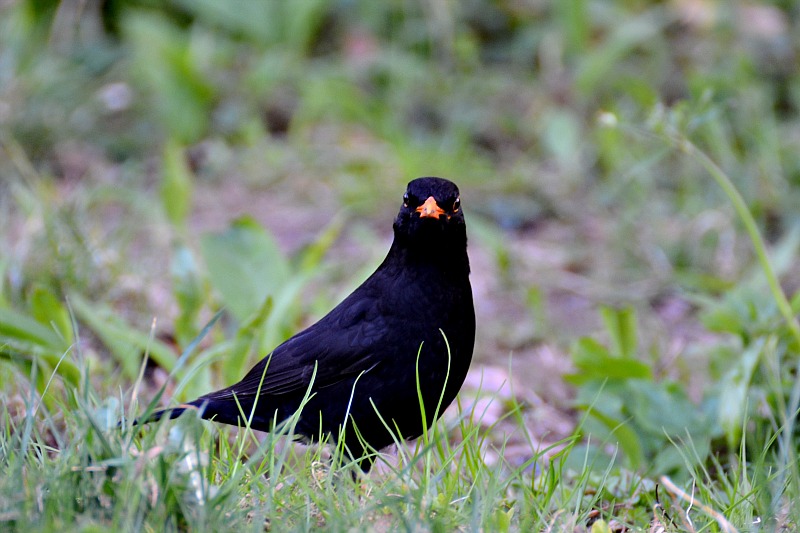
{"type": "Point", "coordinates": [393, 353]}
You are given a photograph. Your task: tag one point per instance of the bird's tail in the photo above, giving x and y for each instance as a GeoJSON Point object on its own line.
{"type": "Point", "coordinates": [169, 414]}
{"type": "Point", "coordinates": [224, 411]}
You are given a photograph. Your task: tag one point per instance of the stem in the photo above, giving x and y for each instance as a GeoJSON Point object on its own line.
{"type": "Point", "coordinates": [686, 146]}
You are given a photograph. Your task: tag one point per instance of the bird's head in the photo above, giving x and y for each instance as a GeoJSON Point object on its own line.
{"type": "Point", "coordinates": [431, 214]}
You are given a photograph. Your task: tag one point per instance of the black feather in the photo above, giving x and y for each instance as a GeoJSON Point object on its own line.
{"type": "Point", "coordinates": [366, 353]}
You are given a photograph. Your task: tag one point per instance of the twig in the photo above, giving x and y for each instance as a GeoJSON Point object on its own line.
{"type": "Point", "coordinates": [721, 520]}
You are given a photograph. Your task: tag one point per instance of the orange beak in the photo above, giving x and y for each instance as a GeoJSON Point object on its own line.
{"type": "Point", "coordinates": [430, 209]}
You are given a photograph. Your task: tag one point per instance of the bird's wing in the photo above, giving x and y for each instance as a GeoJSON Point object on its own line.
{"type": "Point", "coordinates": [344, 343]}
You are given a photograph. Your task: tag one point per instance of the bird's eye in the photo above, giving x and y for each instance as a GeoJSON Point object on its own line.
{"type": "Point", "coordinates": [405, 200]}
{"type": "Point", "coordinates": [456, 205]}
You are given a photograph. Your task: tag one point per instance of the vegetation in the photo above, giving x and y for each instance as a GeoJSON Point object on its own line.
{"type": "Point", "coordinates": [631, 180]}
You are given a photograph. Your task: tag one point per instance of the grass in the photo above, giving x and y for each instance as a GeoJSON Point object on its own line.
{"type": "Point", "coordinates": [630, 176]}
{"type": "Point", "coordinates": [85, 471]}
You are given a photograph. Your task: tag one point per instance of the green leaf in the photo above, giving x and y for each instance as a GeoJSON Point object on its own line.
{"type": "Point", "coordinates": [19, 327]}
{"type": "Point", "coordinates": [188, 291]}
{"type": "Point", "coordinates": [23, 339]}
{"type": "Point", "coordinates": [622, 433]}
{"type": "Point", "coordinates": [621, 326]}
{"type": "Point", "coordinates": [601, 526]}
{"type": "Point", "coordinates": [502, 519]}
{"type": "Point", "coordinates": [735, 394]}
{"type": "Point", "coordinates": [248, 340]}
{"type": "Point", "coordinates": [663, 408]}
{"type": "Point", "coordinates": [724, 317]}
{"type": "Point", "coordinates": [587, 349]}
{"type": "Point", "coordinates": [594, 362]}
{"type": "Point", "coordinates": [603, 396]}
{"type": "Point", "coordinates": [245, 266]}
{"type": "Point", "coordinates": [49, 311]}
{"type": "Point", "coordinates": [176, 183]}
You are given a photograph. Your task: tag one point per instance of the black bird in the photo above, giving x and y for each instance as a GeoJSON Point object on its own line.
{"type": "Point", "coordinates": [409, 327]}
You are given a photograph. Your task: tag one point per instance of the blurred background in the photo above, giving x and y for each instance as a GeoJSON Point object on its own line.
{"type": "Point", "coordinates": [168, 159]}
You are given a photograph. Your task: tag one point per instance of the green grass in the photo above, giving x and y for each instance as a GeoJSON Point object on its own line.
{"type": "Point", "coordinates": [631, 181]}
{"type": "Point", "coordinates": [83, 471]}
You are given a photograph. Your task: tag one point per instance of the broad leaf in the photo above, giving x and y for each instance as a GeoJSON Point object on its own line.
{"type": "Point", "coordinates": [594, 362]}
{"type": "Point", "coordinates": [245, 266]}
{"type": "Point", "coordinates": [49, 311]}
{"type": "Point", "coordinates": [22, 338]}
{"type": "Point", "coordinates": [735, 394]}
